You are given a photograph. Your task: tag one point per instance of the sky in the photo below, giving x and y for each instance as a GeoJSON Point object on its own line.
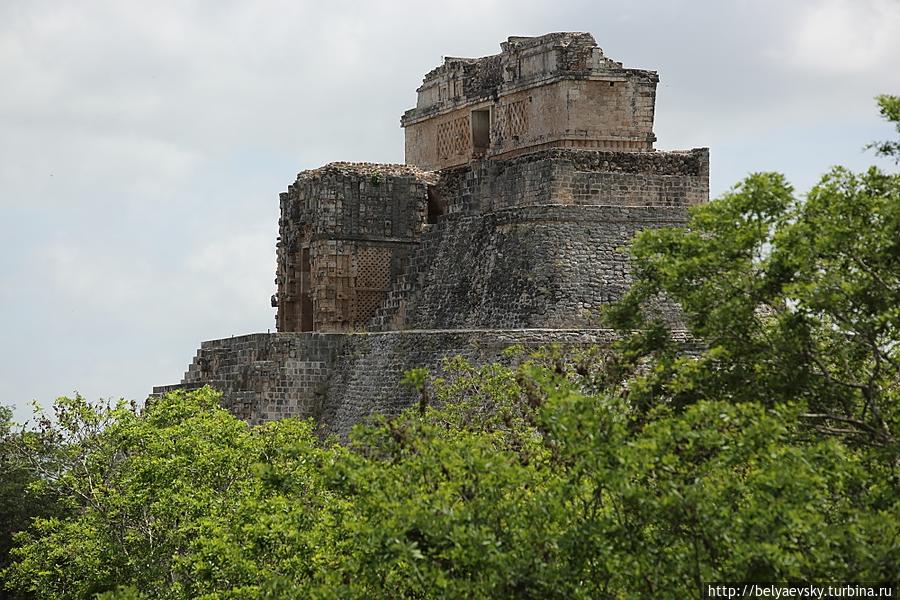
{"type": "Point", "coordinates": [143, 144]}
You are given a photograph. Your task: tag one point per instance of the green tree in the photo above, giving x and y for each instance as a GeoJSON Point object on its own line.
{"type": "Point", "coordinates": [557, 497]}
{"type": "Point", "coordinates": [889, 107]}
{"type": "Point", "coordinates": [565, 496]}
{"type": "Point", "coordinates": [155, 493]}
{"type": "Point", "coordinates": [790, 299]}
{"type": "Point", "coordinates": [22, 497]}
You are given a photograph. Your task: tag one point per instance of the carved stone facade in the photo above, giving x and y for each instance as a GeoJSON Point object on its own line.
{"type": "Point", "coordinates": [346, 231]}
{"type": "Point", "coordinates": [553, 91]}
{"type": "Point", "coordinates": [382, 268]}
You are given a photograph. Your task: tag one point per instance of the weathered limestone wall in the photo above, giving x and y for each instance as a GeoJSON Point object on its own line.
{"type": "Point", "coordinates": [266, 376]}
{"type": "Point", "coordinates": [345, 233]}
{"type": "Point", "coordinates": [674, 179]}
{"type": "Point", "coordinates": [539, 241]}
{"type": "Point", "coordinates": [464, 261]}
{"type": "Point", "coordinates": [550, 91]}
{"type": "Point", "coordinates": [590, 115]}
{"type": "Point", "coordinates": [339, 379]}
{"type": "Point", "coordinates": [366, 380]}
{"type": "Point", "coordinates": [546, 266]}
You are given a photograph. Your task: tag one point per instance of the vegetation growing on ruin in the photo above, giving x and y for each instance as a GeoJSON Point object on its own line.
{"type": "Point", "coordinates": [767, 451]}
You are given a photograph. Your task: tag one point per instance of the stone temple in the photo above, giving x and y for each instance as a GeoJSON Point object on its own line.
{"type": "Point", "coordinates": [527, 172]}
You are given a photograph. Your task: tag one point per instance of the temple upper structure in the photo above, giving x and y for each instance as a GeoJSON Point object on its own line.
{"type": "Point", "coordinates": [547, 131]}
{"type": "Point", "coordinates": [527, 174]}
{"type": "Point", "coordinates": [553, 91]}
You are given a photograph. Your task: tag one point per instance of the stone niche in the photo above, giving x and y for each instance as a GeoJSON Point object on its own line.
{"type": "Point", "coordinates": [553, 91]}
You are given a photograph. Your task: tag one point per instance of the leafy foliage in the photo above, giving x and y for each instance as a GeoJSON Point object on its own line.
{"type": "Point", "coordinates": [793, 301]}
{"type": "Point", "coordinates": [889, 107]}
{"type": "Point", "coordinates": [21, 495]}
{"type": "Point", "coordinates": [564, 499]}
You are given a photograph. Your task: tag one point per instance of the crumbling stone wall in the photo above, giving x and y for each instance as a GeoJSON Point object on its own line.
{"type": "Point", "coordinates": [340, 378]}
{"type": "Point", "coordinates": [540, 240]}
{"type": "Point", "coordinates": [548, 266]}
{"type": "Point", "coordinates": [533, 241]}
{"type": "Point", "coordinates": [345, 233]}
{"type": "Point", "coordinates": [366, 379]}
{"type": "Point", "coordinates": [666, 179]}
{"type": "Point", "coordinates": [266, 376]}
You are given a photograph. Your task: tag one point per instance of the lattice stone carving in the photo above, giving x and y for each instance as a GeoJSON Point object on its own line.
{"type": "Point", "coordinates": [453, 137]}
{"type": "Point", "coordinates": [367, 304]}
{"type": "Point", "coordinates": [373, 280]}
{"type": "Point", "coordinates": [514, 119]}
{"type": "Point", "coordinates": [373, 268]}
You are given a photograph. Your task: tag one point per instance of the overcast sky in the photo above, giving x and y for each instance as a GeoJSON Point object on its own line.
{"type": "Point", "coordinates": [143, 144]}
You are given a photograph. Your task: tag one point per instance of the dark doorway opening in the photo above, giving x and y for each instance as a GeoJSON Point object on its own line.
{"type": "Point", "coordinates": [436, 205]}
{"type": "Point", "coordinates": [481, 131]}
{"type": "Point", "coordinates": [306, 313]}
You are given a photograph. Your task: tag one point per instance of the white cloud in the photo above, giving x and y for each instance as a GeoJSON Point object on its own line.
{"type": "Point", "coordinates": [237, 273]}
{"type": "Point", "coordinates": [223, 280]}
{"type": "Point", "coordinates": [842, 37]}
{"type": "Point", "coordinates": [96, 278]}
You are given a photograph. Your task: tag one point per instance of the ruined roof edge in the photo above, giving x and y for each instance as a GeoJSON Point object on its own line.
{"type": "Point", "coordinates": [522, 63]}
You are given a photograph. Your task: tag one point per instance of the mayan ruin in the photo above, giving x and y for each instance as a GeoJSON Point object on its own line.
{"type": "Point", "coordinates": [527, 173]}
